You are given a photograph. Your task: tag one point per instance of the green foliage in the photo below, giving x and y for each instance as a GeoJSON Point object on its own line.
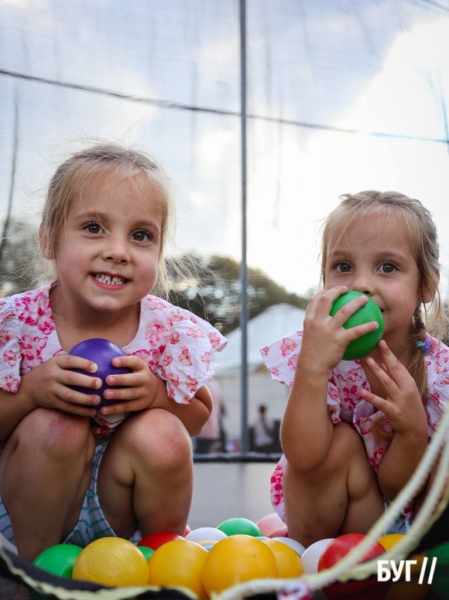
{"type": "Point", "coordinates": [215, 292]}
{"type": "Point", "coordinates": [211, 289]}
{"type": "Point", "coordinates": [17, 258]}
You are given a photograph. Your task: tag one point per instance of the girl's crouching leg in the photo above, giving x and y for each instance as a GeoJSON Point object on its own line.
{"type": "Point", "coordinates": [44, 473]}
{"type": "Point", "coordinates": [146, 475]}
{"type": "Point", "coordinates": [340, 496]}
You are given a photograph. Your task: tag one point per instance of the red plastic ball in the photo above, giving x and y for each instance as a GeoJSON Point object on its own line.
{"type": "Point", "coordinates": [155, 540]}
{"type": "Point", "coordinates": [368, 589]}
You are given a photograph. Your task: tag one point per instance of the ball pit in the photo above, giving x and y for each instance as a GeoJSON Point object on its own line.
{"type": "Point", "coordinates": [209, 566]}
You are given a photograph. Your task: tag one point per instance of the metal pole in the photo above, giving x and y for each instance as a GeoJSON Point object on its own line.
{"type": "Point", "coordinates": [12, 185]}
{"type": "Point", "coordinates": [243, 263]}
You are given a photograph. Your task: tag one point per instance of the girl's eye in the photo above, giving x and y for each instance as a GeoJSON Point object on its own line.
{"type": "Point", "coordinates": [142, 236]}
{"type": "Point", "coordinates": [93, 228]}
{"type": "Point", "coordinates": [343, 267]}
{"type": "Point", "coordinates": [387, 267]}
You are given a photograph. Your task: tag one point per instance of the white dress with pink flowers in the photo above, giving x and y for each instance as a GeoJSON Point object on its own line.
{"type": "Point", "coordinates": [177, 346]}
{"type": "Point", "coordinates": [345, 403]}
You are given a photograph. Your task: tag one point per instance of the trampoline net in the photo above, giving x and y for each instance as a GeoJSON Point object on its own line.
{"type": "Point", "coordinates": [342, 96]}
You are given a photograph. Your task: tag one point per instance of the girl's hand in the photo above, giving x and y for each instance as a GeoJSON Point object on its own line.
{"type": "Point", "coordinates": [140, 388]}
{"type": "Point", "coordinates": [324, 337]}
{"type": "Point", "coordinates": [48, 385]}
{"type": "Point", "coordinates": [403, 406]}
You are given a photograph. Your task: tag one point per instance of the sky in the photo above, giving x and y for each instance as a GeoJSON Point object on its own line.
{"type": "Point", "coordinates": [341, 97]}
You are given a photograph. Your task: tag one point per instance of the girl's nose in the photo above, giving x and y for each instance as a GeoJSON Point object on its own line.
{"type": "Point", "coordinates": [363, 285]}
{"type": "Point", "coordinates": [116, 251]}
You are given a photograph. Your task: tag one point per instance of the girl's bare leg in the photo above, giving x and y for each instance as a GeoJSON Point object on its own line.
{"type": "Point", "coordinates": [146, 474]}
{"type": "Point", "coordinates": [340, 496]}
{"type": "Point", "coordinates": [45, 470]}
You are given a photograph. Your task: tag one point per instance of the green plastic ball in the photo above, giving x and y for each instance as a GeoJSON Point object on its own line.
{"type": "Point", "coordinates": [58, 559]}
{"type": "Point", "coordinates": [146, 551]}
{"type": "Point", "coordinates": [239, 526]}
{"type": "Point", "coordinates": [440, 583]}
{"type": "Point", "coordinates": [365, 344]}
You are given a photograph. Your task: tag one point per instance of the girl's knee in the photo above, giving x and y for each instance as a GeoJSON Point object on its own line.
{"type": "Point", "coordinates": [346, 443]}
{"type": "Point", "coordinates": [346, 446]}
{"type": "Point", "coordinates": [59, 434]}
{"type": "Point", "coordinates": [158, 436]}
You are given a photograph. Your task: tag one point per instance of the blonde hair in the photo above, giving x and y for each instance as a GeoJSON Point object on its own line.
{"type": "Point", "coordinates": [73, 174]}
{"type": "Point", "coordinates": [423, 238]}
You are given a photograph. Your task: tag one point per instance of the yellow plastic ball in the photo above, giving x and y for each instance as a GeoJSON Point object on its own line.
{"type": "Point", "coordinates": [206, 543]}
{"type": "Point", "coordinates": [288, 561]}
{"type": "Point", "coordinates": [112, 561]}
{"type": "Point", "coordinates": [391, 539]}
{"type": "Point", "coordinates": [236, 559]}
{"type": "Point", "coordinates": [178, 564]}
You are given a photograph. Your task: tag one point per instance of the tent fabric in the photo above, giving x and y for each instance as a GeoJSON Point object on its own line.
{"type": "Point", "coordinates": [273, 323]}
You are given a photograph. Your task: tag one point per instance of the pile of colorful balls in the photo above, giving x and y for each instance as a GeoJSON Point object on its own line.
{"type": "Point", "coordinates": [209, 560]}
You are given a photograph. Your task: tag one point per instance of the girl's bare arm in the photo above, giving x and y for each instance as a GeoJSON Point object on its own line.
{"type": "Point", "coordinates": [48, 386]}
{"type": "Point", "coordinates": [405, 411]}
{"type": "Point", "coordinates": [194, 415]}
{"type": "Point", "coordinates": [400, 462]}
{"type": "Point", "coordinates": [306, 430]}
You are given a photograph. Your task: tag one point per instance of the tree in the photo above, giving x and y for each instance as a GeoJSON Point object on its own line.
{"type": "Point", "coordinates": [16, 264]}
{"type": "Point", "coordinates": [211, 290]}
{"type": "Point", "coordinates": [215, 292]}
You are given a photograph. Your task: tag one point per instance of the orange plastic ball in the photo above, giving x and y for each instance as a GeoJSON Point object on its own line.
{"type": "Point", "coordinates": [179, 564]}
{"type": "Point", "coordinates": [408, 590]}
{"type": "Point", "coordinates": [236, 559]}
{"type": "Point", "coordinates": [288, 561]}
{"type": "Point", "coordinates": [112, 561]}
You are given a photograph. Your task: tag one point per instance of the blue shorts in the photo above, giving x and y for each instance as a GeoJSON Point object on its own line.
{"type": "Point", "coordinates": [92, 523]}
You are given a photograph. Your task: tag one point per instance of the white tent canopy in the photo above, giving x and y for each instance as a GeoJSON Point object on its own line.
{"type": "Point", "coordinates": [275, 322]}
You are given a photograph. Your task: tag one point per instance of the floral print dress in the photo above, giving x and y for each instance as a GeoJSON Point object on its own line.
{"type": "Point", "coordinates": [345, 403]}
{"type": "Point", "coordinates": [177, 346]}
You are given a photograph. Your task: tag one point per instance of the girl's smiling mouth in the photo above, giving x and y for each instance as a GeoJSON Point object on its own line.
{"type": "Point", "coordinates": [109, 280]}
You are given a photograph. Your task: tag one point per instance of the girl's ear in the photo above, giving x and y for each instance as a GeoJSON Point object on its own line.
{"type": "Point", "coordinates": [47, 252]}
{"type": "Point", "coordinates": [428, 291]}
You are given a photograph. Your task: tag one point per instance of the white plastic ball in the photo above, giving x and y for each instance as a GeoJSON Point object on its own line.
{"type": "Point", "coordinates": [205, 533]}
{"type": "Point", "coordinates": [312, 554]}
{"type": "Point", "coordinates": [294, 545]}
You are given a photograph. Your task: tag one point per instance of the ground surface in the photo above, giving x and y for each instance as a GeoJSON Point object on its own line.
{"type": "Point", "coordinates": [225, 490]}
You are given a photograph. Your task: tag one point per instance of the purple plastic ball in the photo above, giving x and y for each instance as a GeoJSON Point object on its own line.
{"type": "Point", "coordinates": [101, 352]}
